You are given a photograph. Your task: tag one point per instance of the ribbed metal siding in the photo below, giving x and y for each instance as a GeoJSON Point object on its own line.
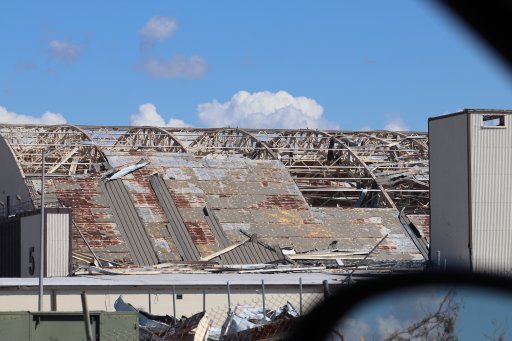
{"type": "Point", "coordinates": [129, 223]}
{"type": "Point", "coordinates": [57, 244]}
{"type": "Point", "coordinates": [176, 227]}
{"type": "Point", "coordinates": [215, 227]}
{"type": "Point", "coordinates": [491, 192]}
{"type": "Point", "coordinates": [10, 248]}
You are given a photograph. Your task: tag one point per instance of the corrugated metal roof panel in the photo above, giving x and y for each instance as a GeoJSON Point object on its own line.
{"type": "Point", "coordinates": [176, 227]}
{"type": "Point", "coordinates": [267, 203]}
{"type": "Point", "coordinates": [215, 227]}
{"type": "Point", "coordinates": [91, 214]}
{"type": "Point", "coordinates": [129, 223]}
{"type": "Point", "coordinates": [200, 232]}
{"type": "Point", "coordinates": [363, 228]}
{"type": "Point", "coordinates": [251, 252]}
{"type": "Point", "coordinates": [152, 215]}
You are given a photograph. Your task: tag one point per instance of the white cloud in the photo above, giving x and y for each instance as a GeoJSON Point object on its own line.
{"type": "Point", "coordinates": [178, 66]}
{"type": "Point", "coordinates": [149, 116]}
{"type": "Point", "coordinates": [157, 28]}
{"type": "Point", "coordinates": [388, 325]}
{"type": "Point", "coordinates": [264, 110]}
{"type": "Point", "coordinates": [395, 123]}
{"type": "Point", "coordinates": [355, 329]}
{"type": "Point", "coordinates": [177, 123]}
{"type": "Point", "coordinates": [65, 51]}
{"type": "Point", "coordinates": [14, 118]}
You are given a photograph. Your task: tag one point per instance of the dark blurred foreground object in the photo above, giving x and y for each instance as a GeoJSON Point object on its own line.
{"type": "Point", "coordinates": [490, 20]}
{"type": "Point", "coordinates": [325, 322]}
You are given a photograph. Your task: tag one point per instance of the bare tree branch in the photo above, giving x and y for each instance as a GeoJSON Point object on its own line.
{"type": "Point", "coordinates": [438, 325]}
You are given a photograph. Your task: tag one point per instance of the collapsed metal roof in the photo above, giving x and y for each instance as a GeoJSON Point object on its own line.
{"type": "Point", "coordinates": [331, 168]}
{"type": "Point", "coordinates": [191, 191]}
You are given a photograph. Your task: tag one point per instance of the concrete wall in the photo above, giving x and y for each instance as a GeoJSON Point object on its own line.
{"type": "Point", "coordinates": [30, 245]}
{"type": "Point", "coordinates": [449, 191]}
{"type": "Point", "coordinates": [11, 180]}
{"type": "Point", "coordinates": [491, 193]}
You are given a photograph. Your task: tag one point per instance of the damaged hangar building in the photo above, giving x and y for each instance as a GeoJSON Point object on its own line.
{"type": "Point", "coordinates": [141, 196]}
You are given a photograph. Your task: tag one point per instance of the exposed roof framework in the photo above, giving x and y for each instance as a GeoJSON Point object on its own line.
{"type": "Point", "coordinates": [153, 138]}
{"type": "Point", "coordinates": [226, 141]}
{"type": "Point", "coordinates": [331, 168]}
{"type": "Point", "coordinates": [70, 150]}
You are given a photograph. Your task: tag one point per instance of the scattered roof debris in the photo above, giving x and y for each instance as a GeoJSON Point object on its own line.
{"type": "Point", "coordinates": [242, 323]}
{"type": "Point", "coordinates": [250, 251]}
{"type": "Point", "coordinates": [155, 327]}
{"type": "Point", "coordinates": [196, 267]}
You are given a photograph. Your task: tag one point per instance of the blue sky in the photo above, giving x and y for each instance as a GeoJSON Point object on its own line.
{"type": "Point", "coordinates": [330, 64]}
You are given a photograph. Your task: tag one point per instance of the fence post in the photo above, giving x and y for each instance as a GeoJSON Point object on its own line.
{"type": "Point", "coordinates": [326, 288]}
{"type": "Point", "coordinates": [229, 298]}
{"type": "Point", "coordinates": [87, 318]}
{"type": "Point", "coordinates": [300, 295]}
{"type": "Point", "coordinates": [204, 300]}
{"type": "Point", "coordinates": [174, 304]}
{"type": "Point", "coordinates": [149, 300]}
{"type": "Point", "coordinates": [263, 295]}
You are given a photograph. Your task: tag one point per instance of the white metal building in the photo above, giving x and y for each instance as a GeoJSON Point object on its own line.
{"type": "Point", "coordinates": [20, 240]}
{"type": "Point", "coordinates": [470, 190]}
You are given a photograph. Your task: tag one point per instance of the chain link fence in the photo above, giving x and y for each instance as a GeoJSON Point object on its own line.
{"type": "Point", "coordinates": [265, 304]}
{"type": "Point", "coordinates": [232, 312]}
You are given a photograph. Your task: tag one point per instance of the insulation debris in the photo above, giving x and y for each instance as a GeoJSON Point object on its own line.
{"type": "Point", "coordinates": [127, 170]}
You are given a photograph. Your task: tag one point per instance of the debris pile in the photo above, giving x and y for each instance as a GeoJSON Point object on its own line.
{"type": "Point", "coordinates": [242, 323]}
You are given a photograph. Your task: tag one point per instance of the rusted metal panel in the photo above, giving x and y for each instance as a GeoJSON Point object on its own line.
{"type": "Point", "coordinates": [290, 217]}
{"type": "Point", "coordinates": [268, 230]}
{"type": "Point", "coordinates": [280, 201]}
{"type": "Point", "coordinates": [368, 158]}
{"type": "Point", "coordinates": [151, 213]}
{"type": "Point", "coordinates": [362, 228]}
{"type": "Point", "coordinates": [215, 227]}
{"type": "Point", "coordinates": [251, 252]}
{"type": "Point", "coordinates": [187, 200]}
{"type": "Point", "coordinates": [178, 173]}
{"type": "Point", "coordinates": [91, 213]}
{"type": "Point", "coordinates": [200, 233]}
{"type": "Point", "coordinates": [233, 163]}
{"type": "Point", "coordinates": [422, 223]}
{"type": "Point", "coordinates": [256, 196]}
{"type": "Point", "coordinates": [129, 223]}
{"type": "Point", "coordinates": [235, 216]}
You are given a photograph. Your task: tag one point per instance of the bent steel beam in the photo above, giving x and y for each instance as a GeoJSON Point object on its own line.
{"type": "Point", "coordinates": [153, 138]}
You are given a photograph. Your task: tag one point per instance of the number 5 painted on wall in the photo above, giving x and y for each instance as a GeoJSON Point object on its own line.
{"type": "Point", "coordinates": [32, 262]}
